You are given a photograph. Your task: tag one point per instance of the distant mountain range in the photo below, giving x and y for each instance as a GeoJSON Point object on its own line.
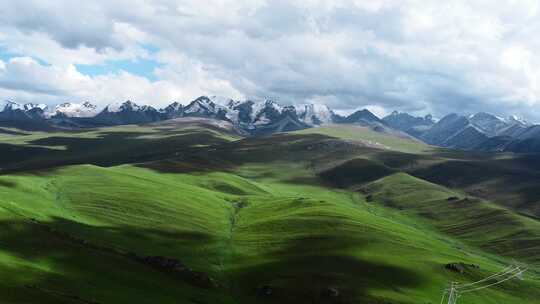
{"type": "Point", "coordinates": [478, 132]}
{"type": "Point", "coordinates": [250, 117]}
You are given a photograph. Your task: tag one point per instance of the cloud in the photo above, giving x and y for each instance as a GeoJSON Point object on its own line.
{"type": "Point", "coordinates": [23, 78]}
{"type": "Point", "coordinates": [410, 55]}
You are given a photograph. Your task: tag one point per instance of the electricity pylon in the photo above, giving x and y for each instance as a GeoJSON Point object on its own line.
{"type": "Point", "coordinates": [456, 289]}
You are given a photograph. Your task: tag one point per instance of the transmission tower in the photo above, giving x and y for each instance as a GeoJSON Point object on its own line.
{"type": "Point", "coordinates": [456, 290]}
{"type": "Point", "coordinates": [452, 294]}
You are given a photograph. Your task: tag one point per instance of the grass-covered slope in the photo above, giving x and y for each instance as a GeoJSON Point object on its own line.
{"type": "Point", "coordinates": [510, 180]}
{"type": "Point", "coordinates": [71, 230]}
{"type": "Point", "coordinates": [302, 218]}
{"type": "Point", "coordinates": [109, 146]}
{"type": "Point", "coordinates": [372, 138]}
{"type": "Point", "coordinates": [477, 222]}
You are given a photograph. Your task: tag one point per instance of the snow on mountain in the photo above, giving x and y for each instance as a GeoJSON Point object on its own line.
{"type": "Point", "coordinates": [121, 107]}
{"type": "Point", "coordinates": [226, 105]}
{"type": "Point", "coordinates": [202, 105]}
{"type": "Point", "coordinates": [127, 113]}
{"type": "Point", "coordinates": [256, 108]}
{"type": "Point", "coordinates": [480, 131]}
{"type": "Point", "coordinates": [175, 106]}
{"type": "Point", "coordinates": [487, 123]}
{"type": "Point", "coordinates": [315, 114]}
{"type": "Point", "coordinates": [10, 105]}
{"type": "Point", "coordinates": [222, 101]}
{"type": "Point", "coordinates": [206, 107]}
{"type": "Point", "coordinates": [27, 117]}
{"type": "Point", "coordinates": [513, 119]}
{"type": "Point", "coordinates": [68, 109]}
{"type": "Point", "coordinates": [267, 117]}
{"type": "Point", "coordinates": [174, 110]}
{"type": "Point", "coordinates": [31, 106]}
{"type": "Point", "coordinates": [267, 112]}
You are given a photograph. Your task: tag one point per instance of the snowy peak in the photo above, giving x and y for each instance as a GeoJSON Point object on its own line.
{"type": "Point", "coordinates": [10, 106]}
{"type": "Point", "coordinates": [201, 105]}
{"type": "Point", "coordinates": [223, 101]}
{"type": "Point", "coordinates": [209, 107]}
{"type": "Point", "coordinates": [272, 105]}
{"type": "Point", "coordinates": [316, 114]}
{"type": "Point", "coordinates": [475, 132]}
{"type": "Point", "coordinates": [69, 109]}
{"type": "Point", "coordinates": [127, 113]}
{"type": "Point", "coordinates": [516, 120]}
{"type": "Point", "coordinates": [22, 115]}
{"type": "Point", "coordinates": [244, 111]}
{"type": "Point", "coordinates": [32, 106]}
{"type": "Point", "coordinates": [174, 110]}
{"type": "Point", "coordinates": [15, 111]}
{"type": "Point", "coordinates": [492, 125]}
{"type": "Point", "coordinates": [267, 116]}
{"type": "Point", "coordinates": [173, 107]}
{"type": "Point", "coordinates": [127, 106]}
{"type": "Point", "coordinates": [267, 112]}
{"type": "Point", "coordinates": [487, 123]}
{"type": "Point", "coordinates": [247, 114]}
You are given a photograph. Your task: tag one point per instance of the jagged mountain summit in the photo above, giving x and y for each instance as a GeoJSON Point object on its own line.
{"type": "Point", "coordinates": [481, 131]}
{"type": "Point", "coordinates": [206, 107]}
{"type": "Point", "coordinates": [69, 109]}
{"type": "Point", "coordinates": [24, 116]}
{"type": "Point", "coordinates": [14, 106]}
{"type": "Point", "coordinates": [412, 125]}
{"type": "Point", "coordinates": [316, 114]}
{"type": "Point", "coordinates": [264, 117]}
{"type": "Point", "coordinates": [362, 117]}
{"type": "Point", "coordinates": [253, 117]}
{"type": "Point", "coordinates": [127, 113]}
{"type": "Point", "coordinates": [174, 110]}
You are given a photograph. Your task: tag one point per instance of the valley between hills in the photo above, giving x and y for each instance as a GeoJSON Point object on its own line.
{"type": "Point", "coordinates": [189, 210]}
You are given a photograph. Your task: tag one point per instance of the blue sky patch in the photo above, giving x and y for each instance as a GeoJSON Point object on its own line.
{"type": "Point", "coordinates": [6, 55]}
{"type": "Point", "coordinates": [140, 67]}
{"type": "Point", "coordinates": [152, 49]}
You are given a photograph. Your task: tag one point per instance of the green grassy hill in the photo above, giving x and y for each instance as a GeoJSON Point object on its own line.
{"type": "Point", "coordinates": [478, 222]}
{"type": "Point", "coordinates": [510, 180]}
{"type": "Point", "coordinates": [290, 218]}
{"type": "Point", "coordinates": [371, 138]}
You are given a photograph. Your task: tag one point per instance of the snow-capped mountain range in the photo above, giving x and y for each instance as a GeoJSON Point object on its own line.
{"type": "Point", "coordinates": [481, 131]}
{"type": "Point", "coordinates": [255, 117]}
{"type": "Point", "coordinates": [68, 109]}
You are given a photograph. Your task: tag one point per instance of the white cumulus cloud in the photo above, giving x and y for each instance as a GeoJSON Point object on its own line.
{"type": "Point", "coordinates": [410, 55]}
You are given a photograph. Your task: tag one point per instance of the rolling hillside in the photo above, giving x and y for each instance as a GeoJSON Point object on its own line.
{"type": "Point", "coordinates": [190, 212]}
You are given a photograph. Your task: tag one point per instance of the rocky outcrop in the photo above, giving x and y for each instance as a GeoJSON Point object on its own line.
{"type": "Point", "coordinates": [460, 267]}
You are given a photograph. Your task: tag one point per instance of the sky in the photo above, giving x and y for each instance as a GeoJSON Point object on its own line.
{"type": "Point", "coordinates": [418, 56]}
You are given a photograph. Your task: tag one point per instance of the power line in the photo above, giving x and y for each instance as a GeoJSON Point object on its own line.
{"type": "Point", "coordinates": [496, 283]}
{"type": "Point", "coordinates": [455, 290]}
{"type": "Point", "coordinates": [453, 295]}
{"type": "Point", "coordinates": [500, 273]}
{"type": "Point", "coordinates": [443, 296]}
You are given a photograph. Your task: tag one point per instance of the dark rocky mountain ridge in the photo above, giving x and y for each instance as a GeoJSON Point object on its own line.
{"type": "Point", "coordinates": [479, 132]}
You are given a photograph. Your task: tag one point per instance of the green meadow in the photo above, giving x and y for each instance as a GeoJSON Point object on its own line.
{"type": "Point", "coordinates": [317, 216]}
